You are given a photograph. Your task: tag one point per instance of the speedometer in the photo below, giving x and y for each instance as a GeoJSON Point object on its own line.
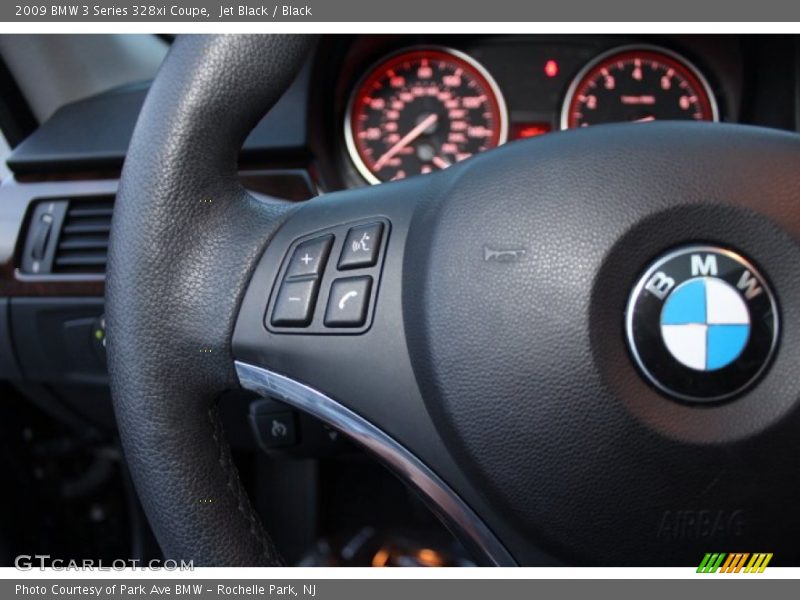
{"type": "Point", "coordinates": [638, 84]}
{"type": "Point", "coordinates": [422, 110]}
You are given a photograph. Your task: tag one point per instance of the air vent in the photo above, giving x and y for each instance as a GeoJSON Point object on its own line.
{"type": "Point", "coordinates": [68, 236]}
{"type": "Point", "coordinates": [83, 243]}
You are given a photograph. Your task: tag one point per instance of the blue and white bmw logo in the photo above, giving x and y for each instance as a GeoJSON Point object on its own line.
{"type": "Point", "coordinates": [702, 323]}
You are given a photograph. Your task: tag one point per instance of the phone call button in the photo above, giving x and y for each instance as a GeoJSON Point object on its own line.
{"type": "Point", "coordinates": [348, 301]}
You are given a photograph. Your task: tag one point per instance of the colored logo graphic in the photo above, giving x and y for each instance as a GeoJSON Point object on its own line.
{"type": "Point", "coordinates": [739, 562]}
{"type": "Point", "coordinates": [702, 324]}
{"type": "Point", "coordinates": [705, 324]}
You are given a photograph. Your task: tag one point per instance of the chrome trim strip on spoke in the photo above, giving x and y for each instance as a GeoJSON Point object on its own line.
{"type": "Point", "coordinates": [449, 505]}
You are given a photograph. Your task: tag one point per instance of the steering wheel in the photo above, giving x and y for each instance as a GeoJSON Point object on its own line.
{"type": "Point", "coordinates": [470, 327]}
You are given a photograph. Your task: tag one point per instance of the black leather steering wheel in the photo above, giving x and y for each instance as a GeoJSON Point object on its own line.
{"type": "Point", "coordinates": [474, 340]}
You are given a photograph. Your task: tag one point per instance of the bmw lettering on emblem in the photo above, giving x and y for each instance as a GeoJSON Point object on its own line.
{"type": "Point", "coordinates": [702, 324]}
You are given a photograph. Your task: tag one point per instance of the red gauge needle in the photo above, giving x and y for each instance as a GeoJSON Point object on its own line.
{"type": "Point", "coordinates": [406, 140]}
{"type": "Point", "coordinates": [644, 119]}
{"type": "Point", "coordinates": [440, 162]}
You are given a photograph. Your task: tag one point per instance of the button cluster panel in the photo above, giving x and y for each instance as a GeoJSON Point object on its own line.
{"type": "Point", "coordinates": [329, 281]}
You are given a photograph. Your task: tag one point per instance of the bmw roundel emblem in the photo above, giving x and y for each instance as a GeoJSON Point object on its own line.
{"type": "Point", "coordinates": [702, 323]}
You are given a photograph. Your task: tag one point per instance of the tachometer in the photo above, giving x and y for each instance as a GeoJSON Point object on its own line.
{"type": "Point", "coordinates": [638, 84]}
{"type": "Point", "coordinates": [420, 111]}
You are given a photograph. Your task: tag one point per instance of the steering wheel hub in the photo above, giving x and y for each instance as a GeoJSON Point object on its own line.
{"type": "Point", "coordinates": [525, 365]}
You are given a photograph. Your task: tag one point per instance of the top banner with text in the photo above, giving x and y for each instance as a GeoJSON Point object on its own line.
{"type": "Point", "coordinates": [464, 11]}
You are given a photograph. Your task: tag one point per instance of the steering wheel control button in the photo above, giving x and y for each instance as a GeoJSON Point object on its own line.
{"type": "Point", "coordinates": [348, 301]}
{"type": "Point", "coordinates": [309, 258]}
{"type": "Point", "coordinates": [274, 429]}
{"type": "Point", "coordinates": [702, 324]}
{"type": "Point", "coordinates": [295, 303]}
{"type": "Point", "coordinates": [361, 246]}
{"type": "Point", "coordinates": [305, 296]}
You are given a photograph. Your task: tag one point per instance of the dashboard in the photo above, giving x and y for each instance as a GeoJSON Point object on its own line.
{"type": "Point", "coordinates": [397, 106]}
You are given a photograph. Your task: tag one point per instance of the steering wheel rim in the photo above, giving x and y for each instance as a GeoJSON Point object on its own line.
{"type": "Point", "coordinates": [189, 253]}
{"type": "Point", "coordinates": [477, 368]}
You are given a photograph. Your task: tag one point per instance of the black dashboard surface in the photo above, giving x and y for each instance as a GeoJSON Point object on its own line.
{"type": "Point", "coordinates": [94, 133]}
{"type": "Point", "coordinates": [752, 78]}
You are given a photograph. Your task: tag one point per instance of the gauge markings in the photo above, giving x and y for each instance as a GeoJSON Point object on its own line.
{"type": "Point", "coordinates": [638, 85]}
{"type": "Point", "coordinates": [422, 111]}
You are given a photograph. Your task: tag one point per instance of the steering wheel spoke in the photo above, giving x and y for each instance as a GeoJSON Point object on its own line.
{"type": "Point", "coordinates": [321, 328]}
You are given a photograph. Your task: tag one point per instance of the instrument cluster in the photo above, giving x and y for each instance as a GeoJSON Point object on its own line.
{"type": "Point", "coordinates": [422, 107]}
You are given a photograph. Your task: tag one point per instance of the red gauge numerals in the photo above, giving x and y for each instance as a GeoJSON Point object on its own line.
{"type": "Point", "coordinates": [422, 111]}
{"type": "Point", "coordinates": [638, 86]}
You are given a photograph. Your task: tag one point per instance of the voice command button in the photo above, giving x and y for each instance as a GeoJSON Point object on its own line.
{"type": "Point", "coordinates": [361, 246]}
